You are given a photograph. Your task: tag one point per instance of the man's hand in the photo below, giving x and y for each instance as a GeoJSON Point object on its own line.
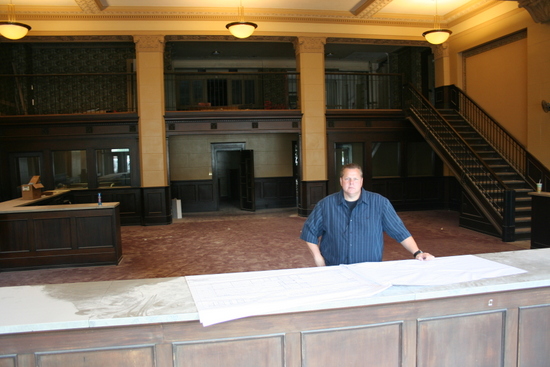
{"type": "Point", "coordinates": [424, 256]}
{"type": "Point", "coordinates": [317, 257]}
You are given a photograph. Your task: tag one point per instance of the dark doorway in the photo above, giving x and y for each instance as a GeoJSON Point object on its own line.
{"type": "Point", "coordinates": [233, 176]}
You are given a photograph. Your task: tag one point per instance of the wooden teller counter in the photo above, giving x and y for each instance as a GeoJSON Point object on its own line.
{"type": "Point", "coordinates": [501, 321]}
{"type": "Point", "coordinates": [44, 232]}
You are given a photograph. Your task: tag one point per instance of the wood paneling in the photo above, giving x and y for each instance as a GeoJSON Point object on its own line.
{"type": "Point", "coordinates": [376, 345]}
{"type": "Point", "coordinates": [270, 192]}
{"type": "Point", "coordinates": [47, 228]}
{"type": "Point", "coordinates": [462, 340]}
{"type": "Point", "coordinates": [534, 336]}
{"type": "Point", "coordinates": [275, 192]}
{"type": "Point", "coordinates": [156, 206]}
{"type": "Point", "coordinates": [255, 351]}
{"type": "Point", "coordinates": [49, 238]}
{"type": "Point", "coordinates": [414, 193]}
{"type": "Point", "coordinates": [120, 357]}
{"type": "Point", "coordinates": [15, 234]}
{"type": "Point", "coordinates": [311, 192]}
{"type": "Point", "coordinates": [8, 361]}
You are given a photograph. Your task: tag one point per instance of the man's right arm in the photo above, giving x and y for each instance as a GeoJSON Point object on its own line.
{"type": "Point", "coordinates": [316, 252]}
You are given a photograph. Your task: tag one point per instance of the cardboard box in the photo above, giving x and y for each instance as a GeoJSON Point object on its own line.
{"type": "Point", "coordinates": [32, 190]}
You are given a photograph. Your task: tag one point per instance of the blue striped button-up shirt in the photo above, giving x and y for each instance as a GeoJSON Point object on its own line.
{"type": "Point", "coordinates": [348, 238]}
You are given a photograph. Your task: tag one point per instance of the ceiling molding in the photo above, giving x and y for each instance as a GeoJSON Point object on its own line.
{"type": "Point", "coordinates": [90, 6]}
{"type": "Point", "coordinates": [173, 38]}
{"type": "Point", "coordinates": [463, 14]}
{"type": "Point", "coordinates": [43, 39]}
{"type": "Point", "coordinates": [370, 8]}
{"type": "Point", "coordinates": [375, 41]}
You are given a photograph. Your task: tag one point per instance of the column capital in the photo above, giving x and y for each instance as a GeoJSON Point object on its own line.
{"type": "Point", "coordinates": [148, 43]}
{"type": "Point", "coordinates": [538, 9]}
{"type": "Point", "coordinates": [310, 45]}
{"type": "Point", "coordinates": [440, 51]}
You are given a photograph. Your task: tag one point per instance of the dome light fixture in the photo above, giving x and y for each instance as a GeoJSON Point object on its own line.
{"type": "Point", "coordinates": [241, 29]}
{"type": "Point", "coordinates": [437, 35]}
{"type": "Point", "coordinates": [12, 29]}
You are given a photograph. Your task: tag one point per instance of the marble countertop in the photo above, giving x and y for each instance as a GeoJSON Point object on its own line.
{"type": "Point", "coordinates": [21, 205]}
{"type": "Point", "coordinates": [161, 300]}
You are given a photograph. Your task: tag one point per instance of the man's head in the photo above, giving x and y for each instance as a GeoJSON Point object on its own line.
{"type": "Point", "coordinates": [351, 180]}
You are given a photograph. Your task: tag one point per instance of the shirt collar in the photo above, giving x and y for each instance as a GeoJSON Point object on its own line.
{"type": "Point", "coordinates": [362, 198]}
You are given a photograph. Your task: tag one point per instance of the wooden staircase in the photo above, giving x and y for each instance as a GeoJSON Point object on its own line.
{"type": "Point", "coordinates": [504, 170]}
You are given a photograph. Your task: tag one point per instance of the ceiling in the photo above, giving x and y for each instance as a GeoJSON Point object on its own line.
{"type": "Point", "coordinates": [393, 13]}
{"type": "Point", "coordinates": [335, 10]}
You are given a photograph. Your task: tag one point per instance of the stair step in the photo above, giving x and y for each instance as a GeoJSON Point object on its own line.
{"type": "Point", "coordinates": [523, 209]}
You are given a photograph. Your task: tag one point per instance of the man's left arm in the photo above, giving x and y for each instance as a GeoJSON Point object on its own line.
{"type": "Point", "coordinates": [410, 244]}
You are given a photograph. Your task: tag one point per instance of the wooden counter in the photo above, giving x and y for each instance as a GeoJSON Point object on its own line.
{"type": "Point", "coordinates": [500, 322]}
{"type": "Point", "coordinates": [42, 236]}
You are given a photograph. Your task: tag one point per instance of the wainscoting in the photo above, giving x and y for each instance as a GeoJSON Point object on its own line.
{"type": "Point", "coordinates": [199, 196]}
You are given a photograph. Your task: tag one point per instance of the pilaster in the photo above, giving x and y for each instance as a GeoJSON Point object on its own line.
{"type": "Point", "coordinates": [310, 60]}
{"type": "Point", "coordinates": [150, 89]}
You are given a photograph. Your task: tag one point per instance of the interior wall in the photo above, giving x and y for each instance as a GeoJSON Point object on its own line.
{"type": "Point", "coordinates": [191, 155]}
{"type": "Point", "coordinates": [537, 56]}
{"type": "Point", "coordinates": [496, 79]}
{"type": "Point", "coordinates": [539, 90]}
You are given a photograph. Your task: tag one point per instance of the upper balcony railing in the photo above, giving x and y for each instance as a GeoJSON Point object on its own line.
{"type": "Point", "coordinates": [51, 94]}
{"type": "Point", "coordinates": [194, 91]}
{"type": "Point", "coordinates": [363, 91]}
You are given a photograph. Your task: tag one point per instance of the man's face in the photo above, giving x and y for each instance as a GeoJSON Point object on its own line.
{"type": "Point", "coordinates": [351, 182]}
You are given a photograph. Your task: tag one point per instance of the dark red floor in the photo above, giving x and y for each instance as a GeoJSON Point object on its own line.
{"type": "Point", "coordinates": [235, 241]}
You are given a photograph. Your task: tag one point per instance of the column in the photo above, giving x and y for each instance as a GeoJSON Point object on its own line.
{"type": "Point", "coordinates": [150, 90]}
{"type": "Point", "coordinates": [442, 65]}
{"type": "Point", "coordinates": [310, 58]}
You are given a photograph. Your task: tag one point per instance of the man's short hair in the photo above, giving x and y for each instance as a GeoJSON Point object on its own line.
{"type": "Point", "coordinates": [351, 166]}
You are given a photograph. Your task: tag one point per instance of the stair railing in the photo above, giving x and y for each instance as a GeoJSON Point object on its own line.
{"type": "Point", "coordinates": [483, 182]}
{"type": "Point", "coordinates": [497, 136]}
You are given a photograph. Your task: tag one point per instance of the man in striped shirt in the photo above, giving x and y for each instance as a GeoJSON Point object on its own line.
{"type": "Point", "coordinates": [347, 227]}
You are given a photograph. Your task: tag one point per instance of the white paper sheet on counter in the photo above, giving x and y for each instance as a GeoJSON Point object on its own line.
{"type": "Point", "coordinates": [439, 271]}
{"type": "Point", "coordinates": [230, 296]}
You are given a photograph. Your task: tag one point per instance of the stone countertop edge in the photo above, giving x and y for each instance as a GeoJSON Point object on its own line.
{"type": "Point", "coordinates": [21, 205]}
{"type": "Point", "coordinates": [535, 262]}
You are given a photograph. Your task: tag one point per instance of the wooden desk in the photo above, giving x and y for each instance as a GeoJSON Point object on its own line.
{"type": "Point", "coordinates": [540, 219]}
{"type": "Point", "coordinates": [43, 236]}
{"type": "Point", "coordinates": [498, 322]}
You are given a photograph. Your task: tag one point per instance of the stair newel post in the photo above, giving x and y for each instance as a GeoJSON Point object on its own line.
{"type": "Point", "coordinates": [509, 216]}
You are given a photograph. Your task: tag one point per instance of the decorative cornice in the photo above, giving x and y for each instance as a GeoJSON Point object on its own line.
{"type": "Point", "coordinates": [74, 39]}
{"type": "Point", "coordinates": [172, 38]}
{"type": "Point", "coordinates": [495, 44]}
{"type": "Point", "coordinates": [373, 41]}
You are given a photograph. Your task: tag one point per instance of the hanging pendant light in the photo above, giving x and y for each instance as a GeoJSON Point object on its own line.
{"type": "Point", "coordinates": [437, 35]}
{"type": "Point", "coordinates": [12, 29]}
{"type": "Point", "coordinates": [241, 29]}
